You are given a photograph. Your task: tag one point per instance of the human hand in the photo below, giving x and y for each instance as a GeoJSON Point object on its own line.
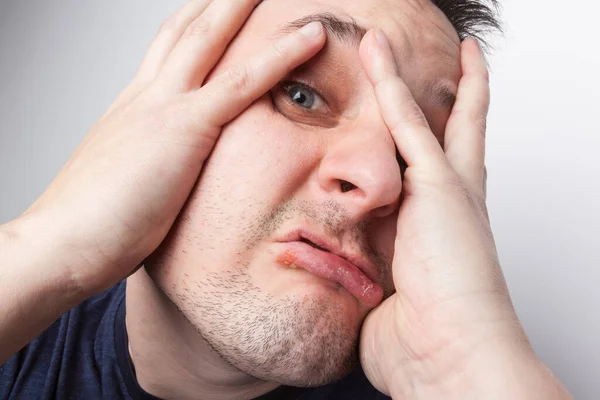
{"type": "Point", "coordinates": [451, 312]}
{"type": "Point", "coordinates": [116, 198]}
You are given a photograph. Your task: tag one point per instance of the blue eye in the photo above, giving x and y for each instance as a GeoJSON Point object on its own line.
{"type": "Point", "coordinates": [301, 95]}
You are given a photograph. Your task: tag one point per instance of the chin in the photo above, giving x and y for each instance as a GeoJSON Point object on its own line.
{"type": "Point", "coordinates": [304, 372]}
{"type": "Point", "coordinates": [299, 340]}
{"type": "Point", "coordinates": [314, 348]}
{"type": "Point", "coordinates": [306, 336]}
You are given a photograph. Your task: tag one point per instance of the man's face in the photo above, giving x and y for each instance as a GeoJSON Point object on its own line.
{"type": "Point", "coordinates": [287, 241]}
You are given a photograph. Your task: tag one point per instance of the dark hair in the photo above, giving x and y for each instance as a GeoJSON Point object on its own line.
{"type": "Point", "coordinates": [472, 18]}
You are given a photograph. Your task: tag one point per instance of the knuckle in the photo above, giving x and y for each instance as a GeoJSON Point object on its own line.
{"type": "Point", "coordinates": [413, 115]}
{"type": "Point", "coordinates": [475, 118]}
{"type": "Point", "coordinates": [408, 114]}
{"type": "Point", "coordinates": [463, 191]}
{"type": "Point", "coordinates": [475, 197]}
{"type": "Point", "coordinates": [240, 79]}
{"type": "Point", "coordinates": [199, 27]}
{"type": "Point", "coordinates": [168, 25]}
{"type": "Point", "coordinates": [480, 123]}
{"type": "Point", "coordinates": [279, 52]}
{"type": "Point", "coordinates": [484, 183]}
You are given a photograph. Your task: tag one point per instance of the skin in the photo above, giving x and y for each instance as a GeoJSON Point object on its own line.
{"type": "Point", "coordinates": [218, 265]}
{"type": "Point", "coordinates": [213, 314]}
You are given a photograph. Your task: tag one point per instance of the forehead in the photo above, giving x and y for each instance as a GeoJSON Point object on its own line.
{"type": "Point", "coordinates": [426, 46]}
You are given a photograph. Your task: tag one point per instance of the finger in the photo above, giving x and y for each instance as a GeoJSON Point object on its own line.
{"type": "Point", "coordinates": [169, 33]}
{"type": "Point", "coordinates": [465, 131]}
{"type": "Point", "coordinates": [226, 96]}
{"type": "Point", "coordinates": [204, 42]}
{"type": "Point", "coordinates": [405, 120]}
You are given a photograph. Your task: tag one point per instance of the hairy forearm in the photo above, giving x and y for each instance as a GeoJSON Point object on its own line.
{"type": "Point", "coordinates": [36, 287]}
{"type": "Point", "coordinates": [497, 373]}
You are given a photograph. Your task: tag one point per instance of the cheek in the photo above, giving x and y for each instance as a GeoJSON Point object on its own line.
{"type": "Point", "coordinates": [259, 154]}
{"type": "Point", "coordinates": [260, 161]}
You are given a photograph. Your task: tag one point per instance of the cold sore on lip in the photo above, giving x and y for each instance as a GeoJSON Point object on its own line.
{"type": "Point", "coordinates": [353, 280]}
{"type": "Point", "coordinates": [287, 259]}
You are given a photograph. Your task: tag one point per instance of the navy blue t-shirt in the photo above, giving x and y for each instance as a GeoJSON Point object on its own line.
{"type": "Point", "coordinates": [84, 355]}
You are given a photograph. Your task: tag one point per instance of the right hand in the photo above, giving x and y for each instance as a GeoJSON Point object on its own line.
{"type": "Point", "coordinates": [115, 200]}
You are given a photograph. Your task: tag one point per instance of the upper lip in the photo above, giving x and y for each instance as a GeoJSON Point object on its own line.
{"type": "Point", "coordinates": [362, 263]}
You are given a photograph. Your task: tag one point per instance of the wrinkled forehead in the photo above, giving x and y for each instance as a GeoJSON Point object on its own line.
{"type": "Point", "coordinates": [425, 44]}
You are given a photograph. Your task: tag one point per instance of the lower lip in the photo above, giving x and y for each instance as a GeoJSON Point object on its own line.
{"type": "Point", "coordinates": [332, 267]}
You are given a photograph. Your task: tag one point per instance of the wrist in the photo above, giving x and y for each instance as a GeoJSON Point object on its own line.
{"type": "Point", "coordinates": [499, 369]}
{"type": "Point", "coordinates": [35, 255]}
{"type": "Point", "coordinates": [36, 288]}
{"type": "Point", "coordinates": [70, 252]}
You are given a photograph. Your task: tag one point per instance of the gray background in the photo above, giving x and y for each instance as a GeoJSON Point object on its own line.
{"type": "Point", "coordinates": [62, 63]}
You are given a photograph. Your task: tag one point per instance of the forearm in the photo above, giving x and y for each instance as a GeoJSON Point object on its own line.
{"type": "Point", "coordinates": [499, 372]}
{"type": "Point", "coordinates": [36, 286]}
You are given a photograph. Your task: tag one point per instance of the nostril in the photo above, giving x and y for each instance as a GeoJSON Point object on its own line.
{"type": "Point", "coordinates": [347, 186]}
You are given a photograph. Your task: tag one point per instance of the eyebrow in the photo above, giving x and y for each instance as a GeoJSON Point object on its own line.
{"type": "Point", "coordinates": [350, 32]}
{"type": "Point", "coordinates": [438, 94]}
{"type": "Point", "coordinates": [345, 31]}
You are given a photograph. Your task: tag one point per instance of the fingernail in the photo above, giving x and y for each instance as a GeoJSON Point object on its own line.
{"type": "Point", "coordinates": [313, 29]}
{"type": "Point", "coordinates": [381, 38]}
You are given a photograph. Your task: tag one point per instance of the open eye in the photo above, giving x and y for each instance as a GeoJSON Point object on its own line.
{"type": "Point", "coordinates": [303, 104]}
{"type": "Point", "coordinates": [302, 95]}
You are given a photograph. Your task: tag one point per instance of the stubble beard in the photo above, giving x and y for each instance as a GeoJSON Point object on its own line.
{"type": "Point", "coordinates": [303, 342]}
{"type": "Point", "coordinates": [296, 342]}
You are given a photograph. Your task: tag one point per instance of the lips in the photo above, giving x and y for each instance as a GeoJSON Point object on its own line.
{"type": "Point", "coordinates": [317, 260]}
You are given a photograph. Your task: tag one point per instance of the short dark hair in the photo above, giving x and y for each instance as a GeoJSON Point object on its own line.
{"type": "Point", "coordinates": [472, 18]}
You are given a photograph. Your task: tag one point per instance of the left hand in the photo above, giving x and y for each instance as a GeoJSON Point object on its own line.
{"type": "Point", "coordinates": [451, 299]}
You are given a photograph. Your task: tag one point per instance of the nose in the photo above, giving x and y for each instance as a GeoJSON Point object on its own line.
{"type": "Point", "coordinates": [362, 173]}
